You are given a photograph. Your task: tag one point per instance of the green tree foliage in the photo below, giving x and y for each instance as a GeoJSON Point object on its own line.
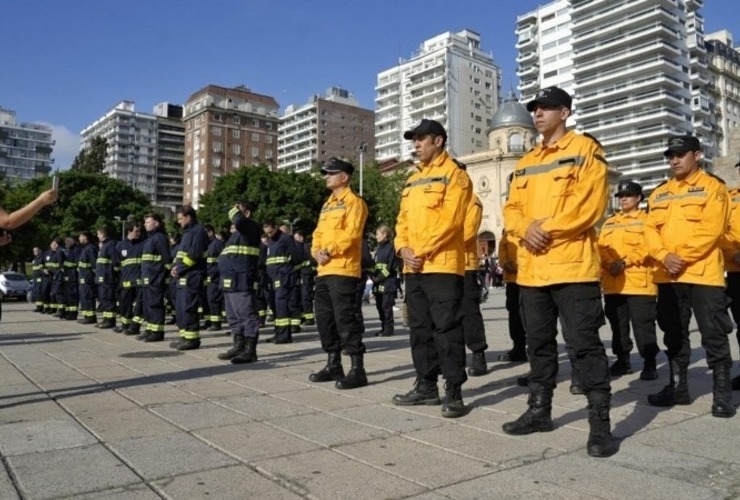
{"type": "Point", "coordinates": [86, 201]}
{"type": "Point", "coordinates": [280, 196]}
{"type": "Point", "coordinates": [91, 160]}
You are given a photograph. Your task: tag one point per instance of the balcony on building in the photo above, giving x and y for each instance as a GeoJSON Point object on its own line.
{"type": "Point", "coordinates": [530, 55]}
{"type": "Point", "coordinates": [592, 60]}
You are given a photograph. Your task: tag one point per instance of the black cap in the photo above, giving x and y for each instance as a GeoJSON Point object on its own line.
{"type": "Point", "coordinates": [551, 96]}
{"type": "Point", "coordinates": [335, 165]}
{"type": "Point", "coordinates": [425, 127]}
{"type": "Point", "coordinates": [629, 188]}
{"type": "Point", "coordinates": [681, 144]}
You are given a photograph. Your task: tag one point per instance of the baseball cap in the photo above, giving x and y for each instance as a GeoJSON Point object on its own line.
{"type": "Point", "coordinates": [551, 96]}
{"type": "Point", "coordinates": [335, 165]}
{"type": "Point", "coordinates": [681, 144]}
{"type": "Point", "coordinates": [628, 188]}
{"type": "Point", "coordinates": [425, 127]}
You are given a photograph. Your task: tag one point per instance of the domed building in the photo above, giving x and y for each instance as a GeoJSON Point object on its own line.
{"type": "Point", "coordinates": [512, 134]}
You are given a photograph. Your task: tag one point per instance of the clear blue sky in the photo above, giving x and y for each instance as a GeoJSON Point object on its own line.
{"type": "Point", "coordinates": [66, 62]}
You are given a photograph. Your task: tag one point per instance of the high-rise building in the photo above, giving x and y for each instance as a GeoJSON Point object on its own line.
{"type": "Point", "coordinates": [25, 148]}
{"type": "Point", "coordinates": [449, 79]}
{"type": "Point", "coordinates": [326, 126]}
{"type": "Point", "coordinates": [132, 146]}
{"type": "Point", "coordinates": [170, 155]}
{"type": "Point", "coordinates": [724, 85]}
{"type": "Point", "coordinates": [226, 128]}
{"type": "Point", "coordinates": [637, 70]}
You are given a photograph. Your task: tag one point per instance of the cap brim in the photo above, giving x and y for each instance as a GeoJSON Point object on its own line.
{"type": "Point", "coordinates": [329, 171]}
{"type": "Point", "coordinates": [675, 150]}
{"type": "Point", "coordinates": [408, 135]}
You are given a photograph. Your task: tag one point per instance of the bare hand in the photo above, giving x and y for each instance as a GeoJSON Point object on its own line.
{"type": "Point", "coordinates": [322, 257]}
{"type": "Point", "coordinates": [509, 267]}
{"type": "Point", "coordinates": [616, 268]}
{"type": "Point", "coordinates": [410, 260]}
{"type": "Point", "coordinates": [173, 273]}
{"type": "Point", "coordinates": [536, 239]}
{"type": "Point", "coordinates": [5, 239]}
{"type": "Point", "coordinates": [49, 197]}
{"type": "Point", "coordinates": [674, 264]}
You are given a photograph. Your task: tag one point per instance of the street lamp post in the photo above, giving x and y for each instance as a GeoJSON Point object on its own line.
{"type": "Point", "coordinates": [362, 148]}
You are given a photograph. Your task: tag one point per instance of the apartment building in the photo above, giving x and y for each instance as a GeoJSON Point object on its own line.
{"type": "Point", "coordinates": [226, 128]}
{"type": "Point", "coordinates": [449, 79]}
{"type": "Point", "coordinates": [330, 125]}
{"type": "Point", "coordinates": [132, 145]}
{"type": "Point", "coordinates": [637, 70]}
{"type": "Point", "coordinates": [25, 148]}
{"type": "Point", "coordinates": [724, 86]}
{"type": "Point", "coordinates": [170, 155]}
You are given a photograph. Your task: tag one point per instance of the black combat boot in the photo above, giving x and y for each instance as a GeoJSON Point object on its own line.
{"type": "Point", "coordinates": [425, 392]}
{"type": "Point", "coordinates": [249, 354]}
{"type": "Point", "coordinates": [214, 327]}
{"type": "Point", "coordinates": [722, 405]}
{"type": "Point", "coordinates": [106, 324]}
{"type": "Point", "coordinates": [523, 381]}
{"type": "Point", "coordinates": [600, 443]}
{"type": "Point", "coordinates": [236, 349]}
{"type": "Point", "coordinates": [478, 364]}
{"type": "Point", "coordinates": [332, 371]}
{"type": "Point", "coordinates": [153, 337]}
{"type": "Point", "coordinates": [188, 344]}
{"type": "Point", "coordinates": [677, 390]}
{"type": "Point", "coordinates": [88, 320]}
{"type": "Point", "coordinates": [356, 376]}
{"type": "Point", "coordinates": [537, 417]}
{"type": "Point", "coordinates": [622, 366]}
{"type": "Point", "coordinates": [649, 369]}
{"type": "Point", "coordinates": [452, 405]}
{"type": "Point", "coordinates": [576, 380]}
{"type": "Point", "coordinates": [517, 355]}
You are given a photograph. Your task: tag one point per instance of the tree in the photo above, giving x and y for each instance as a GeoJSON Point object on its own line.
{"type": "Point", "coordinates": [280, 196]}
{"type": "Point", "coordinates": [86, 201]}
{"type": "Point", "coordinates": [91, 160]}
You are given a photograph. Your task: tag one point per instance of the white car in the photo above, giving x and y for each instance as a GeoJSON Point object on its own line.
{"type": "Point", "coordinates": [14, 285]}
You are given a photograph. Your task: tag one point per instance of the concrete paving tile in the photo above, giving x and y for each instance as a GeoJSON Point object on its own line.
{"type": "Point", "coordinates": [326, 474]}
{"type": "Point", "coordinates": [157, 393]}
{"type": "Point", "coordinates": [701, 437]}
{"type": "Point", "coordinates": [214, 388]}
{"type": "Point", "coordinates": [7, 489]}
{"type": "Point", "coordinates": [265, 407]}
{"type": "Point", "coordinates": [700, 471]}
{"type": "Point", "coordinates": [92, 400]}
{"type": "Point", "coordinates": [390, 418]}
{"type": "Point", "coordinates": [510, 485]}
{"type": "Point", "coordinates": [429, 495]}
{"type": "Point", "coordinates": [253, 441]}
{"type": "Point", "coordinates": [227, 483]}
{"type": "Point", "coordinates": [28, 437]}
{"type": "Point", "coordinates": [134, 492]}
{"type": "Point", "coordinates": [500, 449]}
{"type": "Point", "coordinates": [587, 475]}
{"type": "Point", "coordinates": [59, 473]}
{"type": "Point", "coordinates": [11, 377]}
{"type": "Point", "coordinates": [270, 384]}
{"type": "Point", "coordinates": [321, 400]}
{"type": "Point", "coordinates": [327, 429]}
{"type": "Point", "coordinates": [162, 456]}
{"type": "Point", "coordinates": [83, 359]}
{"type": "Point", "coordinates": [51, 374]}
{"type": "Point", "coordinates": [125, 424]}
{"type": "Point", "coordinates": [200, 415]}
{"type": "Point", "coordinates": [30, 408]}
{"type": "Point", "coordinates": [426, 465]}
{"type": "Point", "coordinates": [111, 373]}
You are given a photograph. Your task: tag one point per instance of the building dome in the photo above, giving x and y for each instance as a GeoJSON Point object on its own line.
{"type": "Point", "coordinates": [510, 113]}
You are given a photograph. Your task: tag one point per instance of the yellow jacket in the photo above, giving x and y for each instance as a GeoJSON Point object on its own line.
{"type": "Point", "coordinates": [430, 220]}
{"type": "Point", "coordinates": [622, 238]}
{"type": "Point", "coordinates": [507, 251]}
{"type": "Point", "coordinates": [473, 218]}
{"type": "Point", "coordinates": [564, 184]}
{"type": "Point", "coordinates": [731, 240]}
{"type": "Point", "coordinates": [689, 218]}
{"type": "Point", "coordinates": [339, 231]}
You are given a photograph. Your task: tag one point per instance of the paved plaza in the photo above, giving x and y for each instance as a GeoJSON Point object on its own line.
{"type": "Point", "coordinates": [87, 413]}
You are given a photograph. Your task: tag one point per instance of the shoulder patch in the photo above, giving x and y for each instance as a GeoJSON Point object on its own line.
{"type": "Point", "coordinates": [460, 164]}
{"type": "Point", "coordinates": [716, 177]}
{"type": "Point", "coordinates": [463, 180]}
{"type": "Point", "coordinates": [696, 189]}
{"type": "Point", "coordinates": [586, 134]}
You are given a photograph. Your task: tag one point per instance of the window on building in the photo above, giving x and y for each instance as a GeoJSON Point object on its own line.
{"type": "Point", "coordinates": [217, 131]}
{"type": "Point", "coordinates": [237, 149]}
{"type": "Point", "coordinates": [236, 133]}
{"type": "Point", "coordinates": [268, 153]}
{"type": "Point", "coordinates": [269, 125]}
{"type": "Point", "coordinates": [268, 139]}
{"type": "Point", "coordinates": [256, 123]}
{"type": "Point", "coordinates": [255, 152]}
{"type": "Point", "coordinates": [255, 137]}
{"type": "Point", "coordinates": [235, 163]}
{"type": "Point", "coordinates": [236, 119]}
{"type": "Point", "coordinates": [215, 163]}
{"type": "Point", "coordinates": [218, 117]}
{"type": "Point", "coordinates": [218, 146]}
